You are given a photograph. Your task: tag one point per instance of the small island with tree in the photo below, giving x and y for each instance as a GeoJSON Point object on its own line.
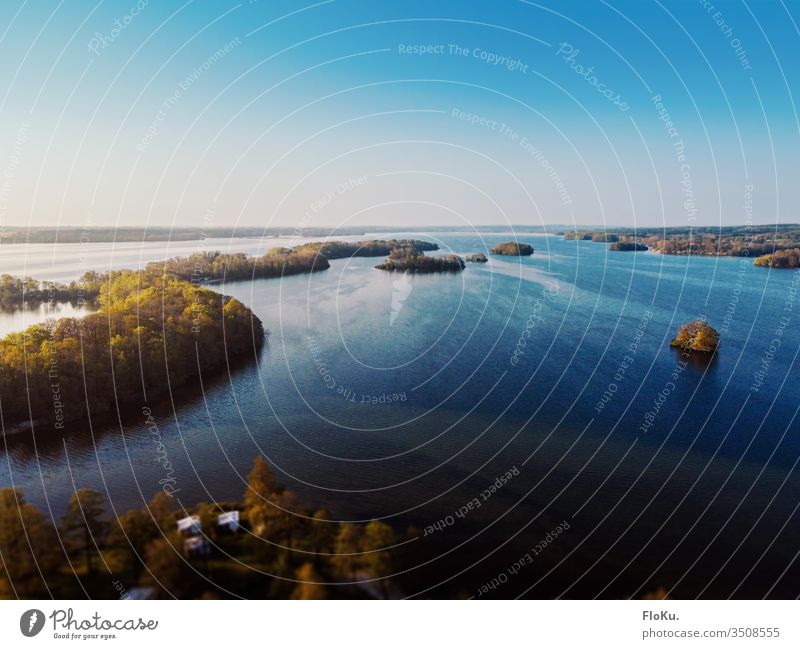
{"type": "Point", "coordinates": [374, 248]}
{"type": "Point", "coordinates": [696, 335]}
{"type": "Point", "coordinates": [408, 260]}
{"type": "Point", "coordinates": [513, 249]}
{"type": "Point", "coordinates": [477, 258]}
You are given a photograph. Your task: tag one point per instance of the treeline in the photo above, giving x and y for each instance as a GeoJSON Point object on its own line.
{"type": "Point", "coordinates": [374, 248]}
{"type": "Point", "coordinates": [152, 333]}
{"type": "Point", "coordinates": [207, 266]}
{"type": "Point", "coordinates": [627, 246]}
{"type": "Point", "coordinates": [789, 258]}
{"type": "Point", "coordinates": [281, 550]}
{"type": "Point", "coordinates": [408, 260]}
{"type": "Point", "coordinates": [16, 291]}
{"type": "Point", "coordinates": [711, 245]}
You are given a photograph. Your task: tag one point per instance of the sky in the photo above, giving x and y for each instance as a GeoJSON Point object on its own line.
{"type": "Point", "coordinates": [346, 113]}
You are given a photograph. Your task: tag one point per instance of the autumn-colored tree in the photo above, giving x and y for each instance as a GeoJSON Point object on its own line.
{"type": "Point", "coordinates": [161, 512]}
{"type": "Point", "coordinates": [262, 487]}
{"type": "Point", "coordinates": [28, 548]}
{"type": "Point", "coordinates": [376, 544]}
{"type": "Point", "coordinates": [319, 536]}
{"type": "Point", "coordinates": [82, 526]}
{"type": "Point", "coordinates": [207, 514]}
{"type": "Point", "coordinates": [697, 335]}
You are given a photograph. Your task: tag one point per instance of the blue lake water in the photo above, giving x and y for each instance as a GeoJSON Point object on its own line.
{"type": "Point", "coordinates": [406, 398]}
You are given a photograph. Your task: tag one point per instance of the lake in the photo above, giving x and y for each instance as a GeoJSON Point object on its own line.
{"type": "Point", "coordinates": [527, 417]}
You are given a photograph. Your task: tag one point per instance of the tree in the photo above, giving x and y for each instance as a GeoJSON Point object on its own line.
{"type": "Point", "coordinates": [287, 516]}
{"type": "Point", "coordinates": [207, 514]}
{"type": "Point", "coordinates": [28, 542]}
{"type": "Point", "coordinates": [319, 537]}
{"type": "Point", "coordinates": [161, 513]}
{"type": "Point", "coordinates": [82, 524]}
{"type": "Point", "coordinates": [129, 538]}
{"type": "Point", "coordinates": [308, 584]}
{"type": "Point", "coordinates": [346, 559]}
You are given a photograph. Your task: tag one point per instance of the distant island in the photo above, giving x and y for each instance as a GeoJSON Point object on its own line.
{"type": "Point", "coordinates": [153, 333]}
{"type": "Point", "coordinates": [788, 258]}
{"type": "Point", "coordinates": [405, 260]}
{"type": "Point", "coordinates": [374, 248]}
{"type": "Point", "coordinates": [94, 234]}
{"type": "Point", "coordinates": [602, 237]}
{"type": "Point", "coordinates": [477, 258]}
{"type": "Point", "coordinates": [696, 335]}
{"type": "Point", "coordinates": [207, 267]}
{"type": "Point", "coordinates": [279, 262]}
{"type": "Point", "coordinates": [513, 249]}
{"type": "Point", "coordinates": [627, 246]}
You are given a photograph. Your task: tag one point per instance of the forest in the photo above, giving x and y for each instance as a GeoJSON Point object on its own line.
{"type": "Point", "coordinates": [152, 333]}
{"type": "Point", "coordinates": [210, 266]}
{"type": "Point", "coordinates": [279, 549]}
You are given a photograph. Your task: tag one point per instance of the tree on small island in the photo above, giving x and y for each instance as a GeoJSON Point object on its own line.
{"type": "Point", "coordinates": [696, 335]}
{"type": "Point", "coordinates": [513, 249]}
{"type": "Point", "coordinates": [477, 258]}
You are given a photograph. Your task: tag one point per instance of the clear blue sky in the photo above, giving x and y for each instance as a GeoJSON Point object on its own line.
{"type": "Point", "coordinates": [409, 113]}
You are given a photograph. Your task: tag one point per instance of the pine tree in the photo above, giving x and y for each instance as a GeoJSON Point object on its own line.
{"type": "Point", "coordinates": [82, 524]}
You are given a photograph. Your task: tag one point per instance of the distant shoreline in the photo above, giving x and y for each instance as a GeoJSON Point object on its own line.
{"type": "Point", "coordinates": [17, 235]}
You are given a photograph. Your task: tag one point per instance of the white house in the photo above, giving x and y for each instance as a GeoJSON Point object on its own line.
{"type": "Point", "coordinates": [196, 546]}
{"type": "Point", "coordinates": [190, 525]}
{"type": "Point", "coordinates": [229, 521]}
